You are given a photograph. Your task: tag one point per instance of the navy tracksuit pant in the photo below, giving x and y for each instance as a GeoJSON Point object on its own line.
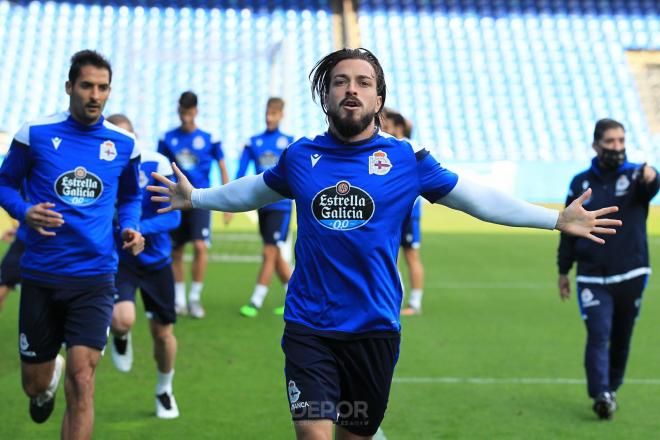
{"type": "Point", "coordinates": [609, 312]}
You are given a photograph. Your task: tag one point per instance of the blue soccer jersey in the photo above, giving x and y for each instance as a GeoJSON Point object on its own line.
{"type": "Point", "coordinates": [416, 211]}
{"type": "Point", "coordinates": [85, 171]}
{"type": "Point", "coordinates": [352, 201]}
{"type": "Point", "coordinates": [155, 227]}
{"type": "Point", "coordinates": [193, 152]}
{"type": "Point", "coordinates": [264, 150]}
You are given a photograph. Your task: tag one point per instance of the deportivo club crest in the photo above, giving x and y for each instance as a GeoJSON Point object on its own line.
{"type": "Point", "coordinates": [379, 164]}
{"type": "Point", "coordinates": [198, 143]}
{"type": "Point", "coordinates": [108, 151]}
{"type": "Point", "coordinates": [294, 392]}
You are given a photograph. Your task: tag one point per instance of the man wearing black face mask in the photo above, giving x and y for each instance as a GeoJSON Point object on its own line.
{"type": "Point", "coordinates": [610, 278]}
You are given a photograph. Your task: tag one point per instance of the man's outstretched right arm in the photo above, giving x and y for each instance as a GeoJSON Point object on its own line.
{"type": "Point", "coordinates": [244, 194]}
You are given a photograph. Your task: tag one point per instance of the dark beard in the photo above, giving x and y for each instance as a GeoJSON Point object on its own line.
{"type": "Point", "coordinates": [349, 127]}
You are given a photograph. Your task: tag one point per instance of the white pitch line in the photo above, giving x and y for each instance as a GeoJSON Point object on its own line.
{"type": "Point", "coordinates": [228, 258]}
{"type": "Point", "coordinates": [511, 380]}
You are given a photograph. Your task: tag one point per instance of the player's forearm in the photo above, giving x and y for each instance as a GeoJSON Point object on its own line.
{"type": "Point", "coordinates": [245, 194]}
{"type": "Point", "coordinates": [12, 174]}
{"type": "Point", "coordinates": [224, 175]}
{"type": "Point", "coordinates": [129, 196]}
{"type": "Point", "coordinates": [494, 206]}
{"type": "Point", "coordinates": [160, 223]}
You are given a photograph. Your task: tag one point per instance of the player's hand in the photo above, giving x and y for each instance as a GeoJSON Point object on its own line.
{"type": "Point", "coordinates": [133, 241]}
{"type": "Point", "coordinates": [40, 216]}
{"type": "Point", "coordinates": [227, 217]}
{"type": "Point", "coordinates": [648, 173]}
{"type": "Point", "coordinates": [176, 194]}
{"type": "Point", "coordinates": [575, 220]}
{"type": "Point", "coordinates": [9, 235]}
{"type": "Point", "coordinates": [564, 287]}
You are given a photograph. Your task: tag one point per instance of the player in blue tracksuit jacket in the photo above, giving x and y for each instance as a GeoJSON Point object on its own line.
{"type": "Point", "coordinates": [354, 188]}
{"type": "Point", "coordinates": [74, 168]}
{"type": "Point", "coordinates": [194, 150]}
{"type": "Point", "coordinates": [151, 272]}
{"type": "Point", "coordinates": [610, 278]}
{"type": "Point", "coordinates": [264, 150]}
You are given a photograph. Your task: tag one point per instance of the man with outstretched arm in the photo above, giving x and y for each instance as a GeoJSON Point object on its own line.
{"type": "Point", "coordinates": [355, 188]}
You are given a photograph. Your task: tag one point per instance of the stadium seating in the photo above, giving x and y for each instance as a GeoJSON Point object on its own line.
{"type": "Point", "coordinates": [481, 79]}
{"type": "Point", "coordinates": [513, 79]}
{"type": "Point", "coordinates": [233, 57]}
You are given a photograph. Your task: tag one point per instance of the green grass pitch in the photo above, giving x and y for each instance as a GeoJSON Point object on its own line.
{"type": "Point", "coordinates": [492, 319]}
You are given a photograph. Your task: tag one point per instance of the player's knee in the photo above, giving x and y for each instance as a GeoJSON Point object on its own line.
{"type": "Point", "coordinates": [162, 333]}
{"type": "Point", "coordinates": [34, 385]}
{"type": "Point", "coordinates": [123, 317]}
{"type": "Point", "coordinates": [270, 252]}
{"type": "Point", "coordinates": [82, 381]}
{"type": "Point", "coordinates": [200, 247]}
{"type": "Point", "coordinates": [35, 378]}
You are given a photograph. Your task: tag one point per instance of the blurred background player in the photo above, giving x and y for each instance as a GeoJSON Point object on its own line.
{"type": "Point", "coordinates": [194, 151]}
{"type": "Point", "coordinates": [151, 271]}
{"type": "Point", "coordinates": [10, 267]}
{"type": "Point", "coordinates": [396, 125]}
{"type": "Point", "coordinates": [610, 278]}
{"type": "Point", "coordinates": [76, 170]}
{"type": "Point", "coordinates": [264, 150]}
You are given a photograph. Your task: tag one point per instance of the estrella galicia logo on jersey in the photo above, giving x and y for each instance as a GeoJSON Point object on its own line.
{"type": "Point", "coordinates": [268, 160]}
{"type": "Point", "coordinates": [342, 207]}
{"type": "Point", "coordinates": [187, 160]}
{"type": "Point", "coordinates": [78, 187]}
{"type": "Point", "coordinates": [294, 392]}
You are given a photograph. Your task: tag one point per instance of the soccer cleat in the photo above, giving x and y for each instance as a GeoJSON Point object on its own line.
{"type": "Point", "coordinates": [279, 311]}
{"type": "Point", "coordinates": [604, 406]}
{"type": "Point", "coordinates": [249, 310]}
{"type": "Point", "coordinates": [41, 407]}
{"type": "Point", "coordinates": [181, 309]}
{"type": "Point", "coordinates": [166, 406]}
{"type": "Point", "coordinates": [411, 311]}
{"type": "Point", "coordinates": [122, 353]}
{"type": "Point", "coordinates": [196, 310]}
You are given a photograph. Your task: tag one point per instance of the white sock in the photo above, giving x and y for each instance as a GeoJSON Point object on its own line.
{"type": "Point", "coordinates": [164, 384]}
{"type": "Point", "coordinates": [259, 294]}
{"type": "Point", "coordinates": [195, 291]}
{"type": "Point", "coordinates": [180, 293]}
{"type": "Point", "coordinates": [415, 300]}
{"type": "Point", "coordinates": [286, 287]}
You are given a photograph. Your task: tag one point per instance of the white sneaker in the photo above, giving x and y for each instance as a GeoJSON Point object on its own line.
{"type": "Point", "coordinates": [42, 406]}
{"type": "Point", "coordinates": [181, 309]}
{"type": "Point", "coordinates": [122, 353]}
{"type": "Point", "coordinates": [166, 406]}
{"type": "Point", "coordinates": [196, 310]}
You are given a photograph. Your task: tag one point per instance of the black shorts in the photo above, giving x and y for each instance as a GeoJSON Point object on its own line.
{"type": "Point", "coordinates": [274, 226]}
{"type": "Point", "coordinates": [195, 225]}
{"type": "Point", "coordinates": [156, 288]}
{"type": "Point", "coordinates": [411, 236]}
{"type": "Point", "coordinates": [347, 381]}
{"type": "Point", "coordinates": [10, 273]}
{"type": "Point", "coordinates": [50, 315]}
